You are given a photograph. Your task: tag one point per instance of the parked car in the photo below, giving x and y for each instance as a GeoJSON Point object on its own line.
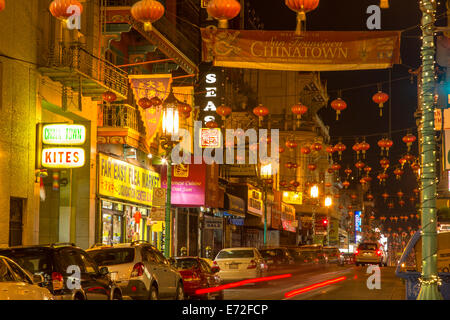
{"type": "Point", "coordinates": [370, 253]}
{"type": "Point", "coordinates": [141, 271]}
{"type": "Point", "coordinates": [198, 274]}
{"type": "Point", "coordinates": [313, 254]}
{"type": "Point", "coordinates": [17, 284]}
{"type": "Point", "coordinates": [58, 264]}
{"type": "Point", "coordinates": [332, 255]}
{"type": "Point", "coordinates": [277, 257]}
{"type": "Point", "coordinates": [240, 263]}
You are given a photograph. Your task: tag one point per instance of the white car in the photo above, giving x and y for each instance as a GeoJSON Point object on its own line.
{"type": "Point", "coordinates": [140, 270]}
{"type": "Point", "coordinates": [240, 263]}
{"type": "Point", "coordinates": [17, 284]}
{"type": "Point", "coordinates": [370, 253]}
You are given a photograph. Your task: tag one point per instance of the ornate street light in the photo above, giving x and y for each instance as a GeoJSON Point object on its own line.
{"type": "Point", "coordinates": [266, 173]}
{"type": "Point", "coordinates": [328, 204]}
{"type": "Point", "coordinates": [314, 193]}
{"type": "Point", "coordinates": [170, 138]}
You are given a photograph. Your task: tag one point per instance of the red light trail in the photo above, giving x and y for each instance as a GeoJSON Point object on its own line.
{"type": "Point", "coordinates": [241, 283]}
{"type": "Point", "coordinates": [313, 286]}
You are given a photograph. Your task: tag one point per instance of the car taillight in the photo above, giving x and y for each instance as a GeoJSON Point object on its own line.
{"type": "Point", "coordinates": [252, 265]}
{"type": "Point", "coordinates": [57, 281]}
{"type": "Point", "coordinates": [215, 264]}
{"type": "Point", "coordinates": [138, 270]}
{"type": "Point", "coordinates": [357, 251]}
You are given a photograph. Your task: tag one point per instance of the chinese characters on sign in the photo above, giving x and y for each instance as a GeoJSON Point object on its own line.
{"type": "Point", "coordinates": [210, 138]}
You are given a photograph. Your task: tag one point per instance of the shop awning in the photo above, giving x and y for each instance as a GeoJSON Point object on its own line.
{"type": "Point", "coordinates": [234, 205]}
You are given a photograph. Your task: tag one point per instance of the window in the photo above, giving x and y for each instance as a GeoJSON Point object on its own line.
{"type": "Point", "coordinates": [5, 273]}
{"type": "Point", "coordinates": [160, 257]}
{"type": "Point", "coordinates": [368, 246]}
{"type": "Point", "coordinates": [110, 257]}
{"type": "Point", "coordinates": [148, 255]}
{"type": "Point", "coordinates": [20, 275]}
{"type": "Point", "coordinates": [186, 263]}
{"type": "Point", "coordinates": [72, 258]}
{"type": "Point", "coordinates": [89, 264]}
{"type": "Point", "coordinates": [230, 254]}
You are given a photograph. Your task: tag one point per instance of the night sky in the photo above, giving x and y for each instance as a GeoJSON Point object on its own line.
{"type": "Point", "coordinates": [361, 118]}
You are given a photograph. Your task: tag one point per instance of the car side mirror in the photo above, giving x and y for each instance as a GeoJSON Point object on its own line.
{"type": "Point", "coordinates": [38, 279]}
{"type": "Point", "coordinates": [104, 271]}
{"type": "Point", "coordinates": [215, 269]}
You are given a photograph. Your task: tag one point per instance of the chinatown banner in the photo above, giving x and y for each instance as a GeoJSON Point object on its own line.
{"type": "Point", "coordinates": [312, 51]}
{"type": "Point", "coordinates": [149, 86]}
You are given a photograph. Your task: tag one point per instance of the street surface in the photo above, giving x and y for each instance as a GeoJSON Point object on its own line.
{"type": "Point", "coordinates": [354, 287]}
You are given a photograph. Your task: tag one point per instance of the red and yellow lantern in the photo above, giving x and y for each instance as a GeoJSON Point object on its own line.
{"type": "Point", "coordinates": [338, 105]}
{"type": "Point", "coordinates": [380, 98]}
{"type": "Point", "coordinates": [301, 7]}
{"type": "Point", "coordinates": [147, 12]}
{"type": "Point", "coordinates": [59, 8]}
{"type": "Point", "coordinates": [409, 140]}
{"type": "Point", "coordinates": [224, 111]}
{"type": "Point", "coordinates": [340, 147]}
{"type": "Point", "coordinates": [299, 109]}
{"type": "Point", "coordinates": [223, 10]}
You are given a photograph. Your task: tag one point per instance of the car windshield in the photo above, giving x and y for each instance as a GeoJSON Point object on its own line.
{"type": "Point", "coordinates": [34, 260]}
{"type": "Point", "coordinates": [269, 253]}
{"type": "Point", "coordinates": [186, 263]}
{"type": "Point", "coordinates": [113, 256]}
{"type": "Point", "coordinates": [368, 246]}
{"type": "Point", "coordinates": [231, 254]}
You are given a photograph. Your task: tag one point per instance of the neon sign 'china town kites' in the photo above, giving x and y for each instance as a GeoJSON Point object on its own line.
{"type": "Point", "coordinates": [147, 12]}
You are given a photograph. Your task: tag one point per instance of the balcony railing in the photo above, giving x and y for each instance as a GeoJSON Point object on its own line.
{"type": "Point", "coordinates": [122, 116]}
{"type": "Point", "coordinates": [75, 57]}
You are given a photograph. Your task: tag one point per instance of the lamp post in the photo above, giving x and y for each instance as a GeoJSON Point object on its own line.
{"type": "Point", "coordinates": [314, 193]}
{"type": "Point", "coordinates": [266, 176]}
{"type": "Point", "coordinates": [170, 138]}
{"type": "Point", "coordinates": [429, 279]}
{"type": "Point", "coordinates": [328, 204]}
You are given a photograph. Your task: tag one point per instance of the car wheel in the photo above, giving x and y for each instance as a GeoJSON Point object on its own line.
{"type": "Point", "coordinates": [153, 295]}
{"type": "Point", "coordinates": [179, 292]}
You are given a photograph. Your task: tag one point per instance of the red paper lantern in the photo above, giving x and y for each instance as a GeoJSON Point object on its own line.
{"type": "Point", "coordinates": [301, 7]}
{"type": "Point", "coordinates": [409, 139]}
{"type": "Point", "coordinates": [391, 205]}
{"type": "Point", "coordinates": [223, 10]}
{"type": "Point", "coordinates": [336, 166]}
{"type": "Point", "coordinates": [330, 170]}
{"type": "Point", "coordinates": [288, 165]}
{"type": "Point", "coordinates": [349, 207]}
{"type": "Point", "coordinates": [305, 150]}
{"type": "Point", "coordinates": [360, 165]}
{"type": "Point", "coordinates": [145, 103]}
{"type": "Point", "coordinates": [299, 110]}
{"type": "Point", "coordinates": [58, 8]}
{"type": "Point", "coordinates": [137, 217]}
{"type": "Point", "coordinates": [156, 101]}
{"type": "Point", "coordinates": [363, 181]}
{"type": "Point", "coordinates": [354, 196]}
{"type": "Point", "coordinates": [370, 197]}
{"type": "Point", "coordinates": [380, 98]}
{"type": "Point", "coordinates": [283, 183]}
{"type": "Point", "coordinates": [398, 173]}
{"type": "Point", "coordinates": [330, 150]}
{"type": "Point", "coordinates": [185, 109]}
{"type": "Point", "coordinates": [340, 147]}
{"type": "Point", "coordinates": [384, 163]}
{"type": "Point", "coordinates": [109, 96]}
{"type": "Point", "coordinates": [211, 124]}
{"type": "Point", "coordinates": [338, 105]}
{"type": "Point", "coordinates": [312, 167]}
{"type": "Point", "coordinates": [2, 5]}
{"type": "Point", "coordinates": [291, 144]}
{"type": "Point", "coordinates": [327, 184]}
{"type": "Point", "coordinates": [367, 169]}
{"type": "Point", "coordinates": [294, 183]}
{"type": "Point", "coordinates": [147, 12]}
{"type": "Point", "coordinates": [348, 171]}
{"type": "Point", "coordinates": [400, 194]}
{"type": "Point", "coordinates": [316, 146]}
{"type": "Point", "coordinates": [346, 184]}
{"type": "Point", "coordinates": [223, 111]}
{"type": "Point", "coordinates": [281, 150]}
{"type": "Point", "coordinates": [364, 146]}
{"type": "Point", "coordinates": [402, 161]}
{"type": "Point", "coordinates": [260, 111]}
{"type": "Point", "coordinates": [357, 148]}
{"type": "Point", "coordinates": [409, 157]}
{"type": "Point", "coordinates": [401, 203]}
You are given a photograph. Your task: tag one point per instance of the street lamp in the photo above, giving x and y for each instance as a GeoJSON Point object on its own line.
{"type": "Point", "coordinates": [314, 193]}
{"type": "Point", "coordinates": [266, 176]}
{"type": "Point", "coordinates": [170, 138]}
{"type": "Point", "coordinates": [328, 204]}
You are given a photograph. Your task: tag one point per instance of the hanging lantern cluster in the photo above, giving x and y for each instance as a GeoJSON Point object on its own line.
{"type": "Point", "coordinates": [348, 172]}
{"type": "Point", "coordinates": [382, 177]}
{"type": "Point", "coordinates": [260, 111]}
{"type": "Point", "coordinates": [312, 167]}
{"type": "Point", "coordinates": [346, 184]}
{"type": "Point", "coordinates": [224, 111]}
{"type": "Point", "coordinates": [384, 163]}
{"type": "Point", "coordinates": [223, 10]}
{"type": "Point", "coordinates": [385, 144]}
{"type": "Point", "coordinates": [305, 150]}
{"type": "Point", "coordinates": [291, 144]}
{"type": "Point", "coordinates": [147, 12]}
{"type": "Point", "coordinates": [301, 7]}
{"type": "Point", "coordinates": [316, 146]}
{"type": "Point", "coordinates": [338, 105]}
{"type": "Point", "coordinates": [398, 173]}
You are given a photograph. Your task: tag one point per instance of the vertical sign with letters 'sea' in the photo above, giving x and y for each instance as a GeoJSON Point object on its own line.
{"type": "Point", "coordinates": [210, 93]}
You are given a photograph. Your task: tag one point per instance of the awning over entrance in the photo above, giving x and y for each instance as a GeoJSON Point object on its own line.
{"type": "Point", "coordinates": [234, 205]}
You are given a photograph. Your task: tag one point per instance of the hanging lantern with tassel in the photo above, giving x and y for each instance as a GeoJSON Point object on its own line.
{"type": "Point", "coordinates": [223, 10]}
{"type": "Point", "coordinates": [147, 12]}
{"type": "Point", "coordinates": [301, 7]}
{"type": "Point", "coordinates": [380, 98]}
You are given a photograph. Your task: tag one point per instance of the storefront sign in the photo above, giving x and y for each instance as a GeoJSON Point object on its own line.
{"type": "Point", "coordinates": [288, 225]}
{"type": "Point", "coordinates": [157, 214]}
{"type": "Point", "coordinates": [63, 158]}
{"type": "Point", "coordinates": [237, 222]}
{"type": "Point", "coordinates": [64, 134]}
{"type": "Point", "coordinates": [213, 223]}
{"type": "Point", "coordinates": [209, 93]}
{"type": "Point", "coordinates": [313, 51]}
{"type": "Point", "coordinates": [287, 212]}
{"type": "Point", "coordinates": [244, 170]}
{"type": "Point", "coordinates": [358, 221]}
{"type": "Point", "coordinates": [235, 205]}
{"type": "Point", "coordinates": [121, 180]}
{"type": "Point", "coordinates": [159, 197]}
{"type": "Point", "coordinates": [210, 138]}
{"type": "Point", "coordinates": [292, 197]}
{"type": "Point", "coordinates": [255, 203]}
